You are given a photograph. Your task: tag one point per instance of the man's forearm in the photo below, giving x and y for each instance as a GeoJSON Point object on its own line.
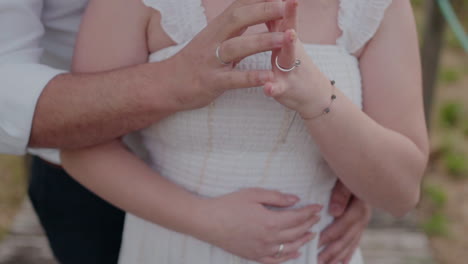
{"type": "Point", "coordinates": [79, 110]}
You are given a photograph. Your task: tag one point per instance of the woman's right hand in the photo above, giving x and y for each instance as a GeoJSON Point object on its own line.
{"type": "Point", "coordinates": [241, 224]}
{"type": "Point", "coordinates": [202, 76]}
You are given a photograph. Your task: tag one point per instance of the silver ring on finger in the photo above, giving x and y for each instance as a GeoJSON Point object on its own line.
{"type": "Point", "coordinates": [219, 57]}
{"type": "Point", "coordinates": [297, 62]}
{"type": "Point", "coordinates": [279, 253]}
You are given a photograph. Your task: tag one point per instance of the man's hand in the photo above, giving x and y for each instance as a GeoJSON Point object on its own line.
{"type": "Point", "coordinates": [204, 76]}
{"type": "Point", "coordinates": [342, 237]}
{"type": "Point", "coordinates": [70, 112]}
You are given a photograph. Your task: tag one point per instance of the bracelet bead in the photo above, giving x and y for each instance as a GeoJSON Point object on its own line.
{"type": "Point", "coordinates": [327, 109]}
{"type": "Point", "coordinates": [324, 112]}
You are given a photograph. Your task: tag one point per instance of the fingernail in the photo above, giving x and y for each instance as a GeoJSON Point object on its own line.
{"type": "Point", "coordinates": [292, 35]}
{"type": "Point", "coordinates": [292, 199]}
{"type": "Point", "coordinates": [278, 39]}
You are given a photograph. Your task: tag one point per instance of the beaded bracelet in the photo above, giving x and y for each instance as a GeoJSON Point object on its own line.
{"type": "Point", "coordinates": [324, 112]}
{"type": "Point", "coordinates": [328, 108]}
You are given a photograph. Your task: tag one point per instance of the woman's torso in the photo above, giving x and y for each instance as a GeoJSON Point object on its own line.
{"type": "Point", "coordinates": [245, 139]}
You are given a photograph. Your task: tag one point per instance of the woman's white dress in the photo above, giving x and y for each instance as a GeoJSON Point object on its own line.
{"type": "Point", "coordinates": [242, 139]}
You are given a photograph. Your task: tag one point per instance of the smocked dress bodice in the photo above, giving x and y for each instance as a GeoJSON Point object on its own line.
{"type": "Point", "coordinates": [244, 139]}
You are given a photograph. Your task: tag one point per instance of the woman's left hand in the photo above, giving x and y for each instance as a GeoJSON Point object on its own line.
{"type": "Point", "coordinates": [303, 89]}
{"type": "Point", "coordinates": [307, 90]}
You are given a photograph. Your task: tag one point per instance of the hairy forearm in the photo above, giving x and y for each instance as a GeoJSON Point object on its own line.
{"type": "Point", "coordinates": [79, 110]}
{"type": "Point", "coordinates": [379, 165]}
{"type": "Point", "coordinates": [121, 178]}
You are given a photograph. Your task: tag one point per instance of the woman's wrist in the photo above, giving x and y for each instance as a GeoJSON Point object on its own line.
{"type": "Point", "coordinates": [321, 97]}
{"type": "Point", "coordinates": [200, 219]}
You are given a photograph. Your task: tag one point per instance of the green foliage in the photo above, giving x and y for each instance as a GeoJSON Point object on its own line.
{"type": "Point", "coordinates": [436, 195]}
{"type": "Point", "coordinates": [452, 41]}
{"type": "Point", "coordinates": [451, 113]}
{"type": "Point", "coordinates": [449, 75]}
{"type": "Point", "coordinates": [436, 225]}
{"type": "Point", "coordinates": [442, 149]}
{"type": "Point", "coordinates": [456, 164]}
{"type": "Point", "coordinates": [447, 145]}
{"type": "Point", "coordinates": [465, 128]}
{"type": "Point", "coordinates": [417, 3]}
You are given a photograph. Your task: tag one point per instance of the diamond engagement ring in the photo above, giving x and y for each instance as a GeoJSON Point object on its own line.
{"type": "Point", "coordinates": [280, 251]}
{"type": "Point", "coordinates": [297, 62]}
{"type": "Point", "coordinates": [219, 57]}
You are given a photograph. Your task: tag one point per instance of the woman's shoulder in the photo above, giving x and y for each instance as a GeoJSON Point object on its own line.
{"type": "Point", "coordinates": [359, 20]}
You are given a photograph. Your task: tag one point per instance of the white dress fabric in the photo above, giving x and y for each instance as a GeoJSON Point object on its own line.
{"type": "Point", "coordinates": [242, 139]}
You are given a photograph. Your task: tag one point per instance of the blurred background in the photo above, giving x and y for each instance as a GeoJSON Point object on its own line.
{"type": "Point", "coordinates": [436, 232]}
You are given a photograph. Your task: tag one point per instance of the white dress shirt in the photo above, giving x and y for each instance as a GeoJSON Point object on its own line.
{"type": "Point", "coordinates": [36, 44]}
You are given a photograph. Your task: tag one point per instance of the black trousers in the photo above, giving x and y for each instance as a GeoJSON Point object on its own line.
{"type": "Point", "coordinates": [81, 227]}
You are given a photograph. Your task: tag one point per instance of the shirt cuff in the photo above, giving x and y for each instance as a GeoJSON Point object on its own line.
{"type": "Point", "coordinates": [22, 84]}
{"type": "Point", "coordinates": [50, 155]}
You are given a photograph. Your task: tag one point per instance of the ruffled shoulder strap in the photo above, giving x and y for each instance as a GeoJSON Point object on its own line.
{"type": "Point", "coordinates": [359, 21]}
{"type": "Point", "coordinates": [180, 19]}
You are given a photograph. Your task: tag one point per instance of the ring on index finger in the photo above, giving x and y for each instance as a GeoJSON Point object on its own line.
{"type": "Point", "coordinates": [219, 57]}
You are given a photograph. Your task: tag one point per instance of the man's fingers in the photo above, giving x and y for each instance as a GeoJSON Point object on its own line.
{"type": "Point", "coordinates": [243, 79]}
{"type": "Point", "coordinates": [338, 249]}
{"type": "Point", "coordinates": [337, 257]}
{"type": "Point", "coordinates": [295, 232]}
{"type": "Point", "coordinates": [248, 15]}
{"type": "Point", "coordinates": [239, 3]}
{"type": "Point", "coordinates": [238, 48]}
{"type": "Point", "coordinates": [273, 25]}
{"type": "Point", "coordinates": [339, 227]}
{"type": "Point", "coordinates": [333, 232]}
{"type": "Point", "coordinates": [289, 20]}
{"type": "Point", "coordinates": [352, 250]}
{"type": "Point", "coordinates": [340, 255]}
{"type": "Point", "coordinates": [340, 199]}
{"type": "Point", "coordinates": [353, 221]}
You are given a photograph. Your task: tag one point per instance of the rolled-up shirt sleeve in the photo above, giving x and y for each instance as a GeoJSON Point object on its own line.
{"type": "Point", "coordinates": [22, 77]}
